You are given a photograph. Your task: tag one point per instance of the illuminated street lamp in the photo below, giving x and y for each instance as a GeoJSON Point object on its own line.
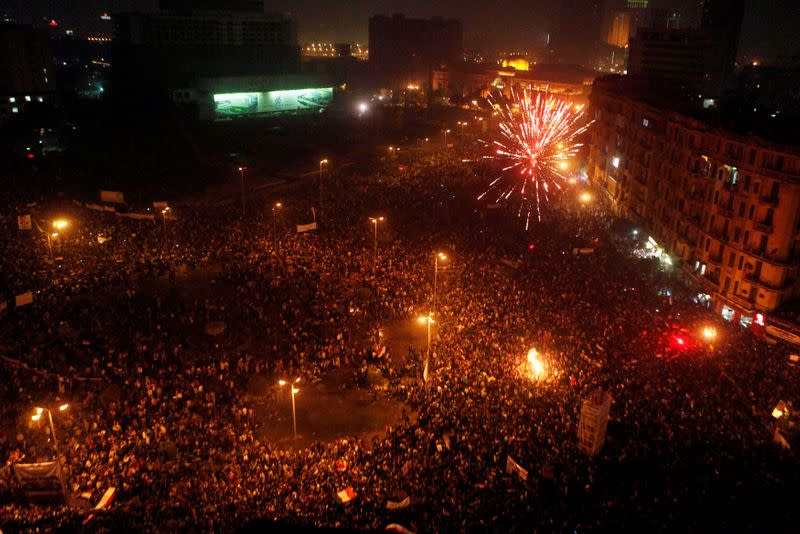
{"type": "Point", "coordinates": [585, 198]}
{"type": "Point", "coordinates": [445, 137]}
{"type": "Point", "coordinates": [241, 174]}
{"type": "Point", "coordinates": [294, 391]}
{"type": "Point", "coordinates": [375, 221]}
{"type": "Point", "coordinates": [426, 320]}
{"type": "Point", "coordinates": [440, 256]}
{"type": "Point", "coordinates": [321, 163]}
{"type": "Point", "coordinates": [709, 333]}
{"type": "Point", "coordinates": [60, 224]}
{"type": "Point", "coordinates": [164, 219]}
{"type": "Point", "coordinates": [275, 209]}
{"type": "Point", "coordinates": [37, 416]}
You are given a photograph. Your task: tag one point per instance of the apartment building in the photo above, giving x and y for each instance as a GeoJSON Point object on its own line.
{"type": "Point", "coordinates": [726, 205]}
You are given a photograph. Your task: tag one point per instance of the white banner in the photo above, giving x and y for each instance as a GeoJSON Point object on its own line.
{"type": "Point", "coordinates": [24, 299]}
{"type": "Point", "coordinates": [24, 222]}
{"type": "Point", "coordinates": [398, 505]}
{"type": "Point", "coordinates": [306, 227]}
{"type": "Point", "coordinates": [138, 216]}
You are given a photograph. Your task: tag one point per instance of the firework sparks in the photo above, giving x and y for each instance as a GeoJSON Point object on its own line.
{"type": "Point", "coordinates": [538, 138]}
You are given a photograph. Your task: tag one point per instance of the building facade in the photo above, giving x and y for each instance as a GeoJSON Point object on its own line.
{"type": "Point", "coordinates": [726, 206]}
{"type": "Point", "coordinates": [26, 69]}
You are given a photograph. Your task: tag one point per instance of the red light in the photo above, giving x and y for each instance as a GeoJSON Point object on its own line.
{"type": "Point", "coordinates": [531, 246]}
{"type": "Point", "coordinates": [30, 156]}
{"type": "Point", "coordinates": [401, 167]}
{"type": "Point", "coordinates": [53, 24]}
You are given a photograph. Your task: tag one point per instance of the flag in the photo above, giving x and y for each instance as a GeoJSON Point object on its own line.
{"type": "Point", "coordinates": [23, 299]}
{"type": "Point", "coordinates": [346, 495]}
{"type": "Point", "coordinates": [425, 372]}
{"type": "Point", "coordinates": [341, 466]}
{"type": "Point", "coordinates": [306, 227]}
{"type": "Point", "coordinates": [514, 467]}
{"type": "Point", "coordinates": [314, 213]}
{"type": "Point", "coordinates": [105, 500]}
{"type": "Point", "coordinates": [398, 505]}
{"type": "Point", "coordinates": [24, 222]}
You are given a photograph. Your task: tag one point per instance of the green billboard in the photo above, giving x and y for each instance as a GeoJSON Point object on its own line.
{"type": "Point", "coordinates": [256, 103]}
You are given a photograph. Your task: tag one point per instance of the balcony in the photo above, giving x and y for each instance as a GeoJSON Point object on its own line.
{"type": "Point", "coordinates": [716, 259]}
{"type": "Point", "coordinates": [761, 254]}
{"type": "Point", "coordinates": [772, 200]}
{"type": "Point", "coordinates": [725, 212]}
{"type": "Point", "coordinates": [763, 226]}
{"type": "Point", "coordinates": [757, 280]}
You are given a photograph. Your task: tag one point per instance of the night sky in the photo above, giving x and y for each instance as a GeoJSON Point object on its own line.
{"type": "Point", "coordinates": [770, 26]}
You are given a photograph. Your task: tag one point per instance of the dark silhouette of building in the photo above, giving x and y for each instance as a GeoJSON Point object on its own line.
{"type": "Point", "coordinates": [703, 58]}
{"type": "Point", "coordinates": [188, 41]}
{"type": "Point", "coordinates": [26, 69]}
{"type": "Point", "coordinates": [578, 37]}
{"type": "Point", "coordinates": [404, 51]}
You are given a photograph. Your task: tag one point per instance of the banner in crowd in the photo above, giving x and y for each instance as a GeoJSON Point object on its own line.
{"type": "Point", "coordinates": [514, 467]}
{"type": "Point", "coordinates": [24, 222]}
{"type": "Point", "coordinates": [40, 480]}
{"type": "Point", "coordinates": [24, 299]}
{"type": "Point", "coordinates": [115, 197]}
{"type": "Point", "coordinates": [398, 505]}
{"type": "Point", "coordinates": [346, 495]}
{"type": "Point", "coordinates": [138, 216]}
{"type": "Point", "coordinates": [306, 227]}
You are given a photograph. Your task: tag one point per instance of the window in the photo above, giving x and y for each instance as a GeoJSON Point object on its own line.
{"type": "Point", "coordinates": [752, 210]}
{"type": "Point", "coordinates": [646, 123]}
{"type": "Point", "coordinates": [27, 98]}
{"type": "Point", "coordinates": [757, 187]}
{"type": "Point", "coordinates": [747, 182]}
{"type": "Point", "coordinates": [731, 259]}
{"type": "Point", "coordinates": [40, 98]}
{"type": "Point", "coordinates": [15, 109]}
{"type": "Point", "coordinates": [11, 99]}
{"type": "Point", "coordinates": [742, 206]}
{"type": "Point", "coordinates": [752, 156]}
{"type": "Point", "coordinates": [741, 262]}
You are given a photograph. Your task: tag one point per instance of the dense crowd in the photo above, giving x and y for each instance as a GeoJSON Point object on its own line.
{"type": "Point", "coordinates": [162, 411]}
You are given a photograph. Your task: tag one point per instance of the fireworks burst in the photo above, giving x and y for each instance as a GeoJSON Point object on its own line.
{"type": "Point", "coordinates": [538, 138]}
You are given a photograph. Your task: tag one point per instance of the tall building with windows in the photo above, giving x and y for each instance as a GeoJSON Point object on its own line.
{"type": "Point", "coordinates": [26, 69]}
{"type": "Point", "coordinates": [725, 206]}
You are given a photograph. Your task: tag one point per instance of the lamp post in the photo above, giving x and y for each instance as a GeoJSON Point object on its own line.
{"type": "Point", "coordinates": [241, 174]}
{"type": "Point", "coordinates": [375, 221]}
{"type": "Point", "coordinates": [50, 238]}
{"type": "Point", "coordinates": [321, 163]}
{"type": "Point", "coordinates": [294, 391]}
{"type": "Point", "coordinates": [440, 256]}
{"type": "Point", "coordinates": [275, 208]}
{"type": "Point", "coordinates": [426, 320]}
{"type": "Point", "coordinates": [36, 417]}
{"type": "Point", "coordinates": [164, 219]}
{"type": "Point", "coordinates": [445, 137]}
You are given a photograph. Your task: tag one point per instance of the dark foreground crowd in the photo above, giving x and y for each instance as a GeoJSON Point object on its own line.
{"type": "Point", "coordinates": [164, 413]}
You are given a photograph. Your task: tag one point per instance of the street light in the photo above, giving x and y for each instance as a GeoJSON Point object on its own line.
{"type": "Point", "coordinates": [426, 320]}
{"type": "Point", "coordinates": [375, 221]}
{"type": "Point", "coordinates": [445, 137]}
{"type": "Point", "coordinates": [440, 256]}
{"type": "Point", "coordinates": [60, 224]}
{"type": "Point", "coordinates": [36, 417]}
{"type": "Point", "coordinates": [295, 391]}
{"type": "Point", "coordinates": [275, 208]}
{"type": "Point", "coordinates": [585, 198]}
{"type": "Point", "coordinates": [164, 219]}
{"type": "Point", "coordinates": [241, 174]}
{"type": "Point", "coordinates": [50, 238]}
{"type": "Point", "coordinates": [321, 163]}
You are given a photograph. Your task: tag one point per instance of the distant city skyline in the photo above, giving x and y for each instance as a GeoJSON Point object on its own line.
{"type": "Point", "coordinates": [768, 31]}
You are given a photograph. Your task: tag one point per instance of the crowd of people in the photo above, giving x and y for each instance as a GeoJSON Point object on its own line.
{"type": "Point", "coordinates": [163, 412]}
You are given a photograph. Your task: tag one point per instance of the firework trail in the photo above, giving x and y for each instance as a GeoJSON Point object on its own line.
{"type": "Point", "coordinates": [538, 138]}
